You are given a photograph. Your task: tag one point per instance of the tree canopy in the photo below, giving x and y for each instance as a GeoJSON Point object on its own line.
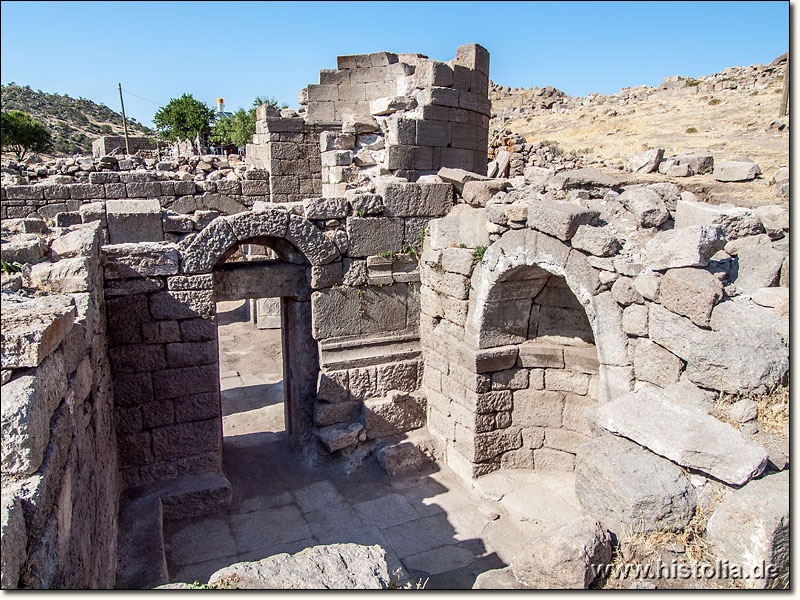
{"type": "Point", "coordinates": [238, 129]}
{"type": "Point", "coordinates": [20, 133]}
{"type": "Point", "coordinates": [183, 118]}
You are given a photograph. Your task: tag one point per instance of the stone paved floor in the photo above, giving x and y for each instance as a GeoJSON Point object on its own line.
{"type": "Point", "coordinates": [430, 523]}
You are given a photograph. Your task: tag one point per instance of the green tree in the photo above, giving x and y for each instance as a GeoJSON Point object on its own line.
{"type": "Point", "coordinates": [238, 129]}
{"type": "Point", "coordinates": [183, 118]}
{"type": "Point", "coordinates": [20, 133]}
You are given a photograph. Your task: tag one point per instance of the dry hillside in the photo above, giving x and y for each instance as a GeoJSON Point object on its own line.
{"type": "Point", "coordinates": [737, 121]}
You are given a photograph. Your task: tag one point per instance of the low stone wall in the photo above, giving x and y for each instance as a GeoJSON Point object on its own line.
{"type": "Point", "coordinates": [60, 482]}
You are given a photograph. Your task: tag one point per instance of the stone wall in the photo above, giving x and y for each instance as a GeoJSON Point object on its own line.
{"type": "Point", "coordinates": [59, 464]}
{"type": "Point", "coordinates": [109, 144]}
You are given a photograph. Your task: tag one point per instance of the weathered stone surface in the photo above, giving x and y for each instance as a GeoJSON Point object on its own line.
{"type": "Point", "coordinates": [82, 241]}
{"type": "Point", "coordinates": [397, 413]}
{"type": "Point", "coordinates": [624, 293]}
{"type": "Point", "coordinates": [464, 225]}
{"type": "Point", "coordinates": [569, 557]}
{"type": "Point", "coordinates": [690, 292]}
{"type": "Point", "coordinates": [206, 248]}
{"type": "Point", "coordinates": [775, 219]}
{"type": "Point", "coordinates": [751, 525]}
{"type": "Point", "coordinates": [459, 177]}
{"type": "Point", "coordinates": [372, 235]}
{"type": "Point", "coordinates": [401, 458]}
{"type": "Point", "coordinates": [689, 438]}
{"type": "Point", "coordinates": [131, 221]}
{"type": "Point", "coordinates": [736, 171]}
{"type": "Point", "coordinates": [597, 241]}
{"type": "Point", "coordinates": [333, 567]}
{"type": "Point", "coordinates": [730, 359]}
{"type": "Point", "coordinates": [125, 261]}
{"type": "Point", "coordinates": [654, 364]}
{"type": "Point", "coordinates": [340, 436]}
{"type": "Point", "coordinates": [478, 193]}
{"type": "Point", "coordinates": [647, 206]}
{"type": "Point", "coordinates": [23, 249]}
{"type": "Point", "coordinates": [66, 276]}
{"type": "Point", "coordinates": [15, 540]}
{"type": "Point", "coordinates": [559, 219]}
{"type": "Point", "coordinates": [538, 175]}
{"type": "Point", "coordinates": [689, 247]}
{"type": "Point", "coordinates": [33, 329]}
{"type": "Point", "coordinates": [587, 177]}
{"type": "Point", "coordinates": [266, 223]}
{"type": "Point", "coordinates": [758, 267]}
{"type": "Point", "coordinates": [634, 320]}
{"type": "Point", "coordinates": [770, 297]}
{"type": "Point", "coordinates": [317, 248]}
{"type": "Point", "coordinates": [497, 579]}
{"type": "Point", "coordinates": [736, 222]}
{"type": "Point", "coordinates": [630, 488]}
{"type": "Point", "coordinates": [325, 208]}
{"type": "Point", "coordinates": [646, 162]}
{"type": "Point", "coordinates": [28, 404]}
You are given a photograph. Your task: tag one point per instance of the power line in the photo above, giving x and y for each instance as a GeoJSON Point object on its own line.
{"type": "Point", "coordinates": [127, 91]}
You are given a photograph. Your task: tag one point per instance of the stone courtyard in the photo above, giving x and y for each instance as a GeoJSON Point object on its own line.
{"type": "Point", "coordinates": [370, 357]}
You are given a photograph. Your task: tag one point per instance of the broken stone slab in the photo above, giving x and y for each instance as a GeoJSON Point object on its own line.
{"type": "Point", "coordinates": [646, 205]}
{"type": "Point", "coordinates": [690, 292]}
{"type": "Point", "coordinates": [770, 297]}
{"type": "Point", "coordinates": [735, 246]}
{"type": "Point", "coordinates": [595, 180]}
{"type": "Point", "coordinates": [656, 365]}
{"type": "Point", "coordinates": [386, 106]}
{"type": "Point", "coordinates": [325, 208]}
{"type": "Point", "coordinates": [397, 413]}
{"type": "Point", "coordinates": [689, 438]}
{"type": "Point", "coordinates": [23, 249]}
{"type": "Point", "coordinates": [646, 162]}
{"type": "Point", "coordinates": [28, 405]}
{"type": "Point", "coordinates": [478, 193]}
{"type": "Point", "coordinates": [597, 241]}
{"type": "Point", "coordinates": [81, 241]}
{"type": "Point", "coordinates": [15, 541]}
{"type": "Point", "coordinates": [33, 329]}
{"type": "Point", "coordinates": [736, 171]}
{"type": "Point", "coordinates": [688, 395]}
{"type": "Point", "coordinates": [358, 124]}
{"type": "Point", "coordinates": [332, 567]}
{"type": "Point", "coordinates": [775, 219]}
{"type": "Point", "coordinates": [559, 219]}
{"type": "Point", "coordinates": [538, 175]}
{"type": "Point", "coordinates": [736, 222]}
{"type": "Point", "coordinates": [402, 457]}
{"type": "Point", "coordinates": [67, 276]}
{"type": "Point", "coordinates": [145, 259]}
{"type": "Point", "coordinates": [697, 163]}
{"type": "Point", "coordinates": [459, 177]}
{"type": "Point", "coordinates": [570, 557]}
{"type": "Point", "coordinates": [689, 247]}
{"type": "Point", "coordinates": [339, 436]}
{"type": "Point", "coordinates": [758, 267]}
{"type": "Point", "coordinates": [631, 489]}
{"type": "Point", "coordinates": [750, 528]}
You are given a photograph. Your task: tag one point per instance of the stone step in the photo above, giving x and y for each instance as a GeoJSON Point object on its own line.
{"type": "Point", "coordinates": [377, 351]}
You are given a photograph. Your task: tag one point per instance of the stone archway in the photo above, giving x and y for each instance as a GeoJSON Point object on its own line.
{"type": "Point", "coordinates": [163, 338]}
{"type": "Point", "coordinates": [473, 372]}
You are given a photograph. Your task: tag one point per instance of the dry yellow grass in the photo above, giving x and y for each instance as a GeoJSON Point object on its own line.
{"type": "Point", "coordinates": [729, 123]}
{"type": "Point", "coordinates": [773, 408]}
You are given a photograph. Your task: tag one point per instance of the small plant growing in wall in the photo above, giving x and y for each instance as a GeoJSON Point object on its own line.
{"type": "Point", "coordinates": [477, 254]}
{"type": "Point", "coordinates": [691, 130]}
{"type": "Point", "coordinates": [390, 254]}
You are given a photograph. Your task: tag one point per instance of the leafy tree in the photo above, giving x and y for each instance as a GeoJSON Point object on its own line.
{"type": "Point", "coordinates": [183, 118]}
{"type": "Point", "coordinates": [238, 129]}
{"type": "Point", "coordinates": [20, 133]}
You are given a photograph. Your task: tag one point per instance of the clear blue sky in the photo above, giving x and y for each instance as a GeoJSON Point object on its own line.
{"type": "Point", "coordinates": [236, 50]}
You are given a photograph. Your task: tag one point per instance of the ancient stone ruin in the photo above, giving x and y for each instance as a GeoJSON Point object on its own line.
{"type": "Point", "coordinates": [568, 323]}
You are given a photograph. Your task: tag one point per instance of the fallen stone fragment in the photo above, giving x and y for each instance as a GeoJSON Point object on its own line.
{"type": "Point", "coordinates": [690, 292]}
{"type": "Point", "coordinates": [647, 206]}
{"type": "Point", "coordinates": [689, 438]}
{"type": "Point", "coordinates": [735, 221]}
{"type": "Point", "coordinates": [32, 329]}
{"type": "Point", "coordinates": [631, 489]}
{"type": "Point", "coordinates": [736, 171]}
{"type": "Point", "coordinates": [750, 528]}
{"type": "Point", "coordinates": [332, 567]}
{"type": "Point", "coordinates": [569, 557]}
{"type": "Point", "coordinates": [560, 219]}
{"type": "Point", "coordinates": [689, 247]}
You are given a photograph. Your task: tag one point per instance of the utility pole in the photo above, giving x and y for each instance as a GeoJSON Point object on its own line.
{"type": "Point", "coordinates": [785, 96]}
{"type": "Point", "coordinates": [124, 122]}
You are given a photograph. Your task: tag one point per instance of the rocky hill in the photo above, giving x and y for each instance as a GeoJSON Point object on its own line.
{"type": "Point", "coordinates": [74, 122]}
{"type": "Point", "coordinates": [729, 114]}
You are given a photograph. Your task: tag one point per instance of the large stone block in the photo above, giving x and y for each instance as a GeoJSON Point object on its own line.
{"type": "Point", "coordinates": [757, 267]}
{"type": "Point", "coordinates": [559, 219]}
{"type": "Point", "coordinates": [630, 488]}
{"type": "Point", "coordinates": [187, 439]}
{"type": "Point", "coordinates": [537, 408]}
{"type": "Point", "coordinates": [397, 413]}
{"type": "Point", "coordinates": [33, 329]}
{"type": "Point", "coordinates": [647, 206]}
{"type": "Point", "coordinates": [654, 364]}
{"type": "Point", "coordinates": [689, 247]}
{"type": "Point", "coordinates": [570, 557]}
{"type": "Point", "coordinates": [28, 404]}
{"type": "Point", "coordinates": [736, 170]}
{"type": "Point", "coordinates": [413, 199]}
{"type": "Point", "coordinates": [464, 225]}
{"type": "Point", "coordinates": [736, 222]}
{"type": "Point", "coordinates": [687, 437]}
{"type": "Point", "coordinates": [131, 221]}
{"type": "Point", "coordinates": [127, 261]}
{"type": "Point", "coordinates": [15, 541]}
{"type": "Point", "coordinates": [692, 293]}
{"type": "Point", "coordinates": [372, 235]}
{"type": "Point", "coordinates": [750, 529]}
